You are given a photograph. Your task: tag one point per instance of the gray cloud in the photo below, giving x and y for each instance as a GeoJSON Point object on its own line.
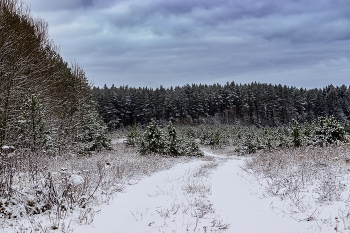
{"type": "Point", "coordinates": [174, 42]}
{"type": "Point", "coordinates": [59, 5]}
{"type": "Point", "coordinates": [69, 5]}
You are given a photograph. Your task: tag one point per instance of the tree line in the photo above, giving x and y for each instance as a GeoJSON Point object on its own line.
{"type": "Point", "coordinates": [45, 103]}
{"type": "Point", "coordinates": [248, 104]}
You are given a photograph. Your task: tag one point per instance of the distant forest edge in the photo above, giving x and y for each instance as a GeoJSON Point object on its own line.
{"type": "Point", "coordinates": [249, 104]}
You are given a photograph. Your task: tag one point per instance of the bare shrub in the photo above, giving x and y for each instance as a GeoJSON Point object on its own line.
{"type": "Point", "coordinates": [188, 206]}
{"type": "Point", "coordinates": [61, 187]}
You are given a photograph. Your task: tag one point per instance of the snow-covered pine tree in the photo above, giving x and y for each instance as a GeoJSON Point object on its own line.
{"type": "Point", "coordinates": [296, 133]}
{"type": "Point", "coordinates": [93, 135]}
{"type": "Point", "coordinates": [329, 130]}
{"type": "Point", "coordinates": [33, 133]}
{"type": "Point", "coordinates": [173, 141]}
{"type": "Point", "coordinates": [81, 128]}
{"type": "Point", "coordinates": [154, 140]}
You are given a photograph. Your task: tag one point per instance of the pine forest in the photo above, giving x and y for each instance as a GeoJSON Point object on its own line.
{"type": "Point", "coordinates": [249, 104]}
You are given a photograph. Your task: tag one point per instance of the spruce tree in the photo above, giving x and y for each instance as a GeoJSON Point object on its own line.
{"type": "Point", "coordinates": [32, 130]}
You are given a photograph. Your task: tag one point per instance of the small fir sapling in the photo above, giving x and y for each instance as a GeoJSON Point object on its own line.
{"type": "Point", "coordinates": [173, 148]}
{"type": "Point", "coordinates": [296, 133]}
{"type": "Point", "coordinates": [133, 136]}
{"type": "Point", "coordinates": [153, 140]}
{"type": "Point", "coordinates": [249, 145]}
{"type": "Point", "coordinates": [94, 134]}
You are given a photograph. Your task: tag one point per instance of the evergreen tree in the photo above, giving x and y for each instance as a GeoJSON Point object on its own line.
{"type": "Point", "coordinates": [30, 63]}
{"type": "Point", "coordinates": [32, 132]}
{"type": "Point", "coordinates": [251, 104]}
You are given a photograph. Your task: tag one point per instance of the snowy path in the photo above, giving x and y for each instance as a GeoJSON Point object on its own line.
{"type": "Point", "coordinates": [159, 204]}
{"type": "Point", "coordinates": [131, 211]}
{"type": "Point", "coordinates": [246, 212]}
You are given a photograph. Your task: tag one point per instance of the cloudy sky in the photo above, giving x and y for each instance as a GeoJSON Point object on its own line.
{"type": "Point", "coordinates": [302, 43]}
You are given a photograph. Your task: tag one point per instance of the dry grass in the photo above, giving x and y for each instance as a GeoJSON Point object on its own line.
{"type": "Point", "coordinates": [45, 197]}
{"type": "Point", "coordinates": [309, 179]}
{"type": "Point", "coordinates": [188, 207]}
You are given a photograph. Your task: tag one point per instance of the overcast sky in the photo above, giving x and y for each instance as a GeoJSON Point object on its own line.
{"type": "Point", "coordinates": [302, 43]}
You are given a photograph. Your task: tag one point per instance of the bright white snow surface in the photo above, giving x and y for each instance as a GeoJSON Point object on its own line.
{"type": "Point", "coordinates": [164, 203]}
{"type": "Point", "coordinates": [76, 180]}
{"type": "Point", "coordinates": [136, 209]}
{"type": "Point", "coordinates": [246, 212]}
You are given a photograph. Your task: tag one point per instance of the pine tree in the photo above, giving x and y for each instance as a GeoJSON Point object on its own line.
{"type": "Point", "coordinates": [32, 131]}
{"type": "Point", "coordinates": [154, 140]}
{"type": "Point", "coordinates": [296, 133]}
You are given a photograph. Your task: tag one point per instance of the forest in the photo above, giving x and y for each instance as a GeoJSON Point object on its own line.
{"type": "Point", "coordinates": [70, 150]}
{"type": "Point", "coordinates": [45, 103]}
{"type": "Point", "coordinates": [247, 104]}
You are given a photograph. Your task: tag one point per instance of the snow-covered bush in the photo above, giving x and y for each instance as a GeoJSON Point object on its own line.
{"type": "Point", "coordinates": [94, 134]}
{"type": "Point", "coordinates": [245, 139]}
{"type": "Point", "coordinates": [157, 140]}
{"type": "Point", "coordinates": [133, 136]}
{"type": "Point", "coordinates": [153, 140]}
{"type": "Point", "coordinates": [191, 148]}
{"type": "Point", "coordinates": [31, 183]}
{"type": "Point", "coordinates": [215, 136]}
{"type": "Point", "coordinates": [54, 191]}
{"type": "Point", "coordinates": [326, 130]}
{"type": "Point", "coordinates": [249, 145]}
{"type": "Point", "coordinates": [306, 179]}
{"type": "Point", "coordinates": [329, 130]}
{"type": "Point", "coordinates": [218, 139]}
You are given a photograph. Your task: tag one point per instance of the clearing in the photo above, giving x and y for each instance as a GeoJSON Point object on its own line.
{"type": "Point", "coordinates": [212, 194]}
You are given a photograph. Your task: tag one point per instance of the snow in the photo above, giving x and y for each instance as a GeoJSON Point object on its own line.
{"type": "Point", "coordinates": [8, 149]}
{"type": "Point", "coordinates": [212, 194]}
{"type": "Point", "coordinates": [210, 154]}
{"type": "Point", "coordinates": [136, 209]}
{"type": "Point", "coordinates": [158, 204]}
{"type": "Point", "coordinates": [76, 180]}
{"type": "Point", "coordinates": [118, 140]}
{"type": "Point", "coordinates": [245, 211]}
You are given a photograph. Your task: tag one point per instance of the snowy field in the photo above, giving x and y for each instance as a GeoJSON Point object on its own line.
{"type": "Point", "coordinates": [200, 196]}
{"type": "Point", "coordinates": [281, 191]}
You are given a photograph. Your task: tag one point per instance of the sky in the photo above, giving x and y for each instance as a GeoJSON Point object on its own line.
{"type": "Point", "coordinates": [139, 43]}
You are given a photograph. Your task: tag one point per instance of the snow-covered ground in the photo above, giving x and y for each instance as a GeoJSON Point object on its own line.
{"type": "Point", "coordinates": [144, 206]}
{"type": "Point", "coordinates": [200, 196]}
{"type": "Point", "coordinates": [212, 194]}
{"type": "Point", "coordinates": [118, 141]}
{"type": "Point", "coordinates": [244, 210]}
